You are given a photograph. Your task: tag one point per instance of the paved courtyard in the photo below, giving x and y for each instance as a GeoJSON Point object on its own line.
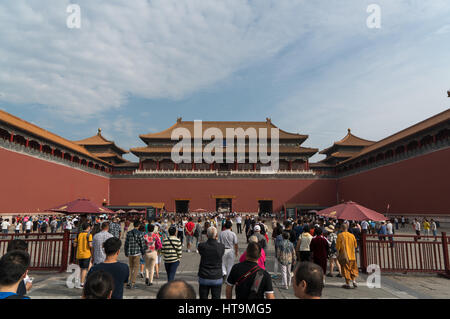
{"type": "Point", "coordinates": [393, 286]}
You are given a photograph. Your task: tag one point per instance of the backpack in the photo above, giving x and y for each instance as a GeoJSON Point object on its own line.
{"type": "Point", "coordinates": [333, 249]}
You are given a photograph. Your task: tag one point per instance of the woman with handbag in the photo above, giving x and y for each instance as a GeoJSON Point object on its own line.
{"type": "Point", "coordinates": [172, 252]}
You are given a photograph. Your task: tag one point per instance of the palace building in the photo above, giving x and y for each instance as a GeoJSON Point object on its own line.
{"type": "Point", "coordinates": [406, 173]}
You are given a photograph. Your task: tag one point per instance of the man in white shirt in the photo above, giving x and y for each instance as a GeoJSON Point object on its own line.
{"type": "Point", "coordinates": [239, 224]}
{"type": "Point", "coordinates": [416, 226]}
{"type": "Point", "coordinates": [230, 240]}
{"type": "Point", "coordinates": [390, 231]}
{"type": "Point", "coordinates": [5, 226]}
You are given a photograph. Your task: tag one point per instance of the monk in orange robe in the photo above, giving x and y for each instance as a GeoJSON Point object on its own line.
{"type": "Point", "coordinates": [346, 246]}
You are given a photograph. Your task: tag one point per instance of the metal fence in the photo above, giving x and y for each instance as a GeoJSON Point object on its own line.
{"type": "Point", "coordinates": [406, 253]}
{"type": "Point", "coordinates": [49, 251]}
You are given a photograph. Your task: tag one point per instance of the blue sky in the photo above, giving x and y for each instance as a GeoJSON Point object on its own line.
{"type": "Point", "coordinates": [313, 66]}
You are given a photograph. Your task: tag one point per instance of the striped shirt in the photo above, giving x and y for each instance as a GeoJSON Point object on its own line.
{"type": "Point", "coordinates": [171, 251]}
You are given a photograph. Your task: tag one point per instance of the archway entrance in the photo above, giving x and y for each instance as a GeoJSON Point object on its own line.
{"type": "Point", "coordinates": [181, 206]}
{"type": "Point", "coordinates": [265, 206]}
{"type": "Point", "coordinates": [223, 205]}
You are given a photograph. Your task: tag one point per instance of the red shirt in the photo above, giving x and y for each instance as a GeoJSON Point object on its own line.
{"type": "Point", "coordinates": [190, 228]}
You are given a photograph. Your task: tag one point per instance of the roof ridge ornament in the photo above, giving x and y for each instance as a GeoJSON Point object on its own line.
{"type": "Point", "coordinates": [349, 131]}
{"type": "Point", "coordinates": [268, 120]}
{"type": "Point", "coordinates": [99, 131]}
{"type": "Point", "coordinates": [179, 119]}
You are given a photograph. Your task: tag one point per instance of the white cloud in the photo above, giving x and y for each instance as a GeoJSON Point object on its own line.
{"type": "Point", "coordinates": [163, 48]}
{"type": "Point", "coordinates": [151, 49]}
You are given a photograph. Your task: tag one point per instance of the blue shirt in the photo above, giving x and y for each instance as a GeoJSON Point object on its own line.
{"type": "Point", "coordinates": [4, 295]}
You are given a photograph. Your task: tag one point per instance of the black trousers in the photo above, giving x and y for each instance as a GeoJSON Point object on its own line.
{"type": "Point", "coordinates": [204, 291]}
{"type": "Point", "coordinates": [239, 228]}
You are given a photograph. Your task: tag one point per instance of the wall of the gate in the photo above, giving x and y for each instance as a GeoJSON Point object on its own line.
{"type": "Point", "coordinates": [418, 186]}
{"type": "Point", "coordinates": [201, 192]}
{"type": "Point", "coordinates": [29, 183]}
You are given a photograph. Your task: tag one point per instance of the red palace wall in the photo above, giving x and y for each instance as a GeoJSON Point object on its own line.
{"type": "Point", "coordinates": [419, 185]}
{"type": "Point", "coordinates": [200, 192]}
{"type": "Point", "coordinates": [28, 184]}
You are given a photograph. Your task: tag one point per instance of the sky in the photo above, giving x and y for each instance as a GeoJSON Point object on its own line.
{"type": "Point", "coordinates": [313, 66]}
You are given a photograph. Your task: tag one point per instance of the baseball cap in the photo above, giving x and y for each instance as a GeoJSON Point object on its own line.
{"type": "Point", "coordinates": [257, 228]}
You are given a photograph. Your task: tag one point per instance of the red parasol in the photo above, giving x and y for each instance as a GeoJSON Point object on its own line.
{"type": "Point", "coordinates": [81, 206]}
{"type": "Point", "coordinates": [351, 211]}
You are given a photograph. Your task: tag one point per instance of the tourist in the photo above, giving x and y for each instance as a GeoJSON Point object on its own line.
{"type": "Point", "coordinates": [180, 230]}
{"type": "Point", "coordinates": [204, 232]}
{"type": "Point", "coordinates": [97, 243]}
{"type": "Point", "coordinates": [355, 230]}
{"type": "Point", "coordinates": [319, 248]}
{"type": "Point", "coordinates": [239, 224]}
{"type": "Point", "coordinates": [53, 225]}
{"type": "Point", "coordinates": [151, 256]}
{"type": "Point", "coordinates": [433, 228]}
{"type": "Point", "coordinates": [346, 246]}
{"type": "Point", "coordinates": [5, 226]}
{"type": "Point", "coordinates": [286, 257]}
{"type": "Point", "coordinates": [210, 269]}
{"type": "Point", "coordinates": [99, 285]}
{"type": "Point", "coordinates": [277, 238]}
{"type": "Point", "coordinates": [197, 233]}
{"type": "Point", "coordinates": [126, 226]}
{"type": "Point", "coordinates": [230, 240]}
{"type": "Point", "coordinates": [172, 250]}
{"type": "Point", "coordinates": [261, 238]}
{"type": "Point", "coordinates": [308, 281]}
{"type": "Point", "coordinates": [251, 281]}
{"type": "Point", "coordinates": [189, 231]}
{"type": "Point", "coordinates": [13, 269]}
{"type": "Point", "coordinates": [176, 289]}
{"type": "Point", "coordinates": [43, 227]}
{"type": "Point", "coordinates": [396, 223]}
{"type": "Point", "coordinates": [142, 229]}
{"type": "Point", "coordinates": [426, 227]}
{"type": "Point", "coordinates": [416, 227]}
{"type": "Point", "coordinates": [389, 232]}
{"type": "Point", "coordinates": [135, 247]}
{"type": "Point", "coordinates": [247, 224]}
{"type": "Point", "coordinates": [18, 226]}
{"type": "Point", "coordinates": [114, 228]}
{"type": "Point", "coordinates": [118, 270]}
{"type": "Point", "coordinates": [332, 237]}
{"type": "Point", "coordinates": [83, 244]}
{"type": "Point", "coordinates": [303, 244]}
{"type": "Point", "coordinates": [96, 229]}
{"type": "Point", "coordinates": [403, 221]}
{"type": "Point", "coordinates": [364, 227]}
{"type": "Point", "coordinates": [382, 231]}
{"type": "Point", "coordinates": [262, 258]}
{"type": "Point", "coordinates": [26, 284]}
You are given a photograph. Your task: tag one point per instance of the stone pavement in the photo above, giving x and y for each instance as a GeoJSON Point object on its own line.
{"type": "Point", "coordinates": [393, 286]}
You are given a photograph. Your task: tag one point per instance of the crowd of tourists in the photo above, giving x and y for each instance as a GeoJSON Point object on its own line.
{"type": "Point", "coordinates": [307, 250]}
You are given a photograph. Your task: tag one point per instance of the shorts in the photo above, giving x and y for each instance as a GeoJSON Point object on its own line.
{"type": "Point", "coordinates": [189, 239]}
{"type": "Point", "coordinates": [142, 260]}
{"type": "Point", "coordinates": [84, 263]}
